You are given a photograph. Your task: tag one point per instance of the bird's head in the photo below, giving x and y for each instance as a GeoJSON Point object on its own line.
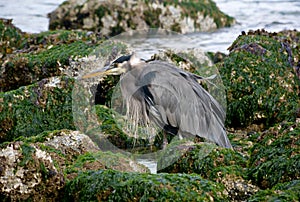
{"type": "Point", "coordinates": [119, 66]}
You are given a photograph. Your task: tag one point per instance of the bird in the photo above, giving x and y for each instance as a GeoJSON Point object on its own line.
{"type": "Point", "coordinates": [159, 92]}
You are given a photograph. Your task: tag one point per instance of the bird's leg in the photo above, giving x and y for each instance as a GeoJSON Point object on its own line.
{"type": "Point", "coordinates": [165, 140]}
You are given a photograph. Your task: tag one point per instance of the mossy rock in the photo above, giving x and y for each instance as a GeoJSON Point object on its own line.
{"type": "Point", "coordinates": [47, 103]}
{"type": "Point", "coordinates": [262, 87]}
{"type": "Point", "coordinates": [104, 160]}
{"type": "Point", "coordinates": [275, 157]}
{"type": "Point", "coordinates": [30, 110]}
{"type": "Point", "coordinates": [288, 191]}
{"type": "Point", "coordinates": [114, 133]}
{"type": "Point", "coordinates": [10, 37]}
{"type": "Point", "coordinates": [110, 185]}
{"type": "Point", "coordinates": [214, 163]}
{"type": "Point", "coordinates": [205, 159]}
{"type": "Point", "coordinates": [44, 55]}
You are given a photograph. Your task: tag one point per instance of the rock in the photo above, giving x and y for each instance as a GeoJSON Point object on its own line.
{"type": "Point", "coordinates": [30, 110]}
{"type": "Point", "coordinates": [111, 185]}
{"type": "Point", "coordinates": [275, 157]}
{"type": "Point", "coordinates": [11, 37]}
{"type": "Point", "coordinates": [288, 191]}
{"type": "Point", "coordinates": [114, 17]}
{"type": "Point", "coordinates": [37, 168]}
{"type": "Point", "coordinates": [37, 56]}
{"type": "Point", "coordinates": [213, 163]}
{"type": "Point", "coordinates": [262, 87]}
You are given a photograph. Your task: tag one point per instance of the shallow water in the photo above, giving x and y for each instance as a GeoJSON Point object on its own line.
{"type": "Point", "coordinates": [151, 164]}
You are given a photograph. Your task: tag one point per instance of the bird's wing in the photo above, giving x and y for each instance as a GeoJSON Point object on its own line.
{"type": "Point", "coordinates": [180, 101]}
{"type": "Point", "coordinates": [212, 112]}
{"type": "Point", "coordinates": [160, 94]}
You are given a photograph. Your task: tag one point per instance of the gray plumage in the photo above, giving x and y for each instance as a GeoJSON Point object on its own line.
{"type": "Point", "coordinates": [172, 98]}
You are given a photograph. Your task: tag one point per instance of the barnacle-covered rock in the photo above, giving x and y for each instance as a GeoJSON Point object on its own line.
{"type": "Point", "coordinates": [32, 169]}
{"type": "Point", "coordinates": [275, 156]}
{"type": "Point", "coordinates": [114, 17]}
{"type": "Point", "coordinates": [25, 172]}
{"type": "Point", "coordinates": [262, 86]}
{"type": "Point", "coordinates": [38, 167]}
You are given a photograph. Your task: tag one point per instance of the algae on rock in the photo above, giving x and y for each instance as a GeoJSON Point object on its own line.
{"type": "Point", "coordinates": [275, 156]}
{"type": "Point", "coordinates": [262, 87]}
{"type": "Point", "coordinates": [111, 185]}
{"type": "Point", "coordinates": [43, 55]}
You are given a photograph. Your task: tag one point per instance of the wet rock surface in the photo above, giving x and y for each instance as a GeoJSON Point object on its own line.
{"type": "Point", "coordinates": [115, 17]}
{"type": "Point", "coordinates": [43, 157]}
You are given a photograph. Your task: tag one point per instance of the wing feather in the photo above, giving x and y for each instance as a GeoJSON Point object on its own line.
{"type": "Point", "coordinates": [182, 102]}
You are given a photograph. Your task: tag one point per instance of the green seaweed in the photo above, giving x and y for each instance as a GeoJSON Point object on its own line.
{"type": "Point", "coordinates": [260, 83]}
{"type": "Point", "coordinates": [10, 38]}
{"type": "Point", "coordinates": [27, 151]}
{"type": "Point", "coordinates": [275, 159]}
{"type": "Point", "coordinates": [79, 162]}
{"type": "Point", "coordinates": [208, 160]}
{"type": "Point", "coordinates": [27, 68]}
{"type": "Point", "coordinates": [33, 109]}
{"type": "Point", "coordinates": [115, 134]}
{"type": "Point", "coordinates": [288, 191]}
{"type": "Point", "coordinates": [110, 185]}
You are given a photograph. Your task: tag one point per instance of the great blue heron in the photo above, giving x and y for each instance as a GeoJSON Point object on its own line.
{"type": "Point", "coordinates": [172, 98]}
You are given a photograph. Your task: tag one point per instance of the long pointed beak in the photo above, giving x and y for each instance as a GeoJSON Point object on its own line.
{"type": "Point", "coordinates": [98, 72]}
